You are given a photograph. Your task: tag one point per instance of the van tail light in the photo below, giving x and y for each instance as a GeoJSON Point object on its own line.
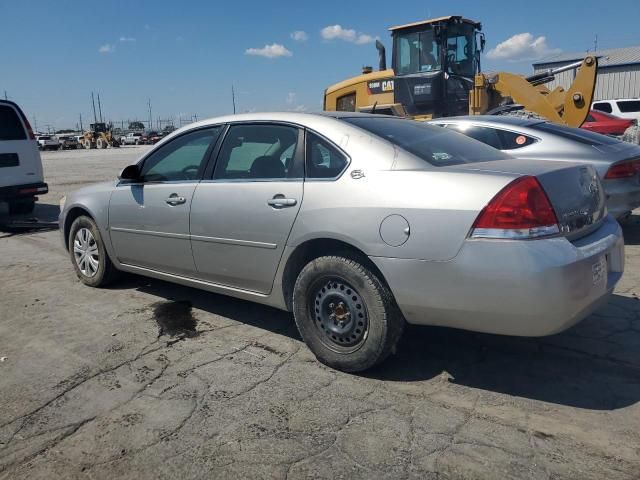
{"type": "Point", "coordinates": [26, 124]}
{"type": "Point", "coordinates": [623, 169]}
{"type": "Point", "coordinates": [521, 210]}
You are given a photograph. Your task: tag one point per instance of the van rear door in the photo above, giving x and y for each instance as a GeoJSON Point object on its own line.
{"type": "Point", "coordinates": [20, 162]}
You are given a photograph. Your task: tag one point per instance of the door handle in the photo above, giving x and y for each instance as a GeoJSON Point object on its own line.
{"type": "Point", "coordinates": [175, 199]}
{"type": "Point", "coordinates": [278, 201]}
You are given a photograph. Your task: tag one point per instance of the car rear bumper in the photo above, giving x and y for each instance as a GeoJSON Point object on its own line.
{"type": "Point", "coordinates": [527, 288]}
{"type": "Point", "coordinates": [623, 195]}
{"type": "Point", "coordinates": [23, 191]}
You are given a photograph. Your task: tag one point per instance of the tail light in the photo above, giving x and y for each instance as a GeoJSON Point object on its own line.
{"type": "Point", "coordinates": [623, 169]}
{"type": "Point", "coordinates": [521, 210]}
{"type": "Point", "coordinates": [26, 124]}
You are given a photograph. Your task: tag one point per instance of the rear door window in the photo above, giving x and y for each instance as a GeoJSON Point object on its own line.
{"type": "Point", "coordinates": [258, 152]}
{"type": "Point", "coordinates": [10, 125]}
{"type": "Point", "coordinates": [629, 106]}
{"type": "Point", "coordinates": [603, 107]}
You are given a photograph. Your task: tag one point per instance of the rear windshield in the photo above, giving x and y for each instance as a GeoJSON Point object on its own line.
{"type": "Point", "coordinates": [438, 146]}
{"type": "Point", "coordinates": [576, 134]}
{"type": "Point", "coordinates": [10, 125]}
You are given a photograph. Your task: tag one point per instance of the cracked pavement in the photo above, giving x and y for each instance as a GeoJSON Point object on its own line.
{"type": "Point", "coordinates": [148, 379]}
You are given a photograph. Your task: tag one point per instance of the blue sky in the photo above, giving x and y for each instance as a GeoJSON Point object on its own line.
{"type": "Point", "coordinates": [185, 55]}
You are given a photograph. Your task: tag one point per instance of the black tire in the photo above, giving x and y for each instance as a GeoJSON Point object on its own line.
{"type": "Point", "coordinates": [22, 206]}
{"type": "Point", "coordinates": [106, 272]}
{"type": "Point", "coordinates": [370, 322]}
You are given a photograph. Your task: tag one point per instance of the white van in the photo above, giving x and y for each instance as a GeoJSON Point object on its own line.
{"type": "Point", "coordinates": [621, 107]}
{"type": "Point", "coordinates": [21, 177]}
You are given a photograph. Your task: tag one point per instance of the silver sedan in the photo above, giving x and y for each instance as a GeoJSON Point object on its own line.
{"type": "Point", "coordinates": [617, 162]}
{"type": "Point", "coordinates": [356, 224]}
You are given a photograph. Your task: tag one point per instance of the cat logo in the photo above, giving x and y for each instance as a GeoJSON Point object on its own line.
{"type": "Point", "coordinates": [380, 86]}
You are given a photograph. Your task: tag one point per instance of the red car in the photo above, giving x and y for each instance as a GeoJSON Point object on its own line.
{"type": "Point", "coordinates": [601, 122]}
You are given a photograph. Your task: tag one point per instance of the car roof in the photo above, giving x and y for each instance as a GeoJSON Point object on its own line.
{"type": "Point", "coordinates": [511, 120]}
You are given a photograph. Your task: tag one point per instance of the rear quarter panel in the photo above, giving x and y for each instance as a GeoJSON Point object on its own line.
{"type": "Point", "coordinates": [439, 206]}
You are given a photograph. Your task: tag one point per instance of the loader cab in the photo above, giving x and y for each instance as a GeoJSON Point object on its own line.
{"type": "Point", "coordinates": [434, 64]}
{"type": "Point", "coordinates": [98, 127]}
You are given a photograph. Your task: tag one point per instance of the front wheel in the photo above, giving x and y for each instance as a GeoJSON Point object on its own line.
{"type": "Point", "coordinates": [88, 254]}
{"type": "Point", "coordinates": [346, 314]}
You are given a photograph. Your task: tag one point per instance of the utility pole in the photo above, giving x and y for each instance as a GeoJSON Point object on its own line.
{"type": "Point", "coordinates": [233, 99]}
{"type": "Point", "coordinates": [100, 108]}
{"type": "Point", "coordinates": [93, 102]}
{"type": "Point", "coordinates": [35, 122]}
{"type": "Point", "coordinates": [595, 43]}
{"type": "Point", "coordinates": [150, 118]}
{"type": "Point", "coordinates": [81, 128]}
{"type": "Point", "coordinates": [5, 95]}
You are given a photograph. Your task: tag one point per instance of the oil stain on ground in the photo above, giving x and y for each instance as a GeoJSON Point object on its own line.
{"type": "Point", "coordinates": [175, 319]}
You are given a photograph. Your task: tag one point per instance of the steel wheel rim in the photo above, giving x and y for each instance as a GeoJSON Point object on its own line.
{"type": "Point", "coordinates": [86, 252]}
{"type": "Point", "coordinates": [339, 315]}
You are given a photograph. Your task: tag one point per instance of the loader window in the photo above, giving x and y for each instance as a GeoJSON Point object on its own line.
{"type": "Point", "coordinates": [346, 103]}
{"type": "Point", "coordinates": [417, 52]}
{"type": "Point", "coordinates": [461, 50]}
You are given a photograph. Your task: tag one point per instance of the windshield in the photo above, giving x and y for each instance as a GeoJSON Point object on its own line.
{"type": "Point", "coordinates": [418, 52]}
{"type": "Point", "coordinates": [438, 146]}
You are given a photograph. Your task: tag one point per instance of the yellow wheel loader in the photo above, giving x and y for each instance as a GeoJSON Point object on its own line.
{"type": "Point", "coordinates": [99, 135]}
{"type": "Point", "coordinates": [435, 72]}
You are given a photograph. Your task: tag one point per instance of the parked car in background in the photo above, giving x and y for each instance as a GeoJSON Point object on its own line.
{"type": "Point", "coordinates": [622, 107]}
{"type": "Point", "coordinates": [606, 124]}
{"type": "Point", "coordinates": [68, 142]}
{"type": "Point", "coordinates": [131, 138]}
{"type": "Point", "coordinates": [617, 162]}
{"type": "Point", "coordinates": [355, 223]}
{"type": "Point", "coordinates": [148, 137]}
{"type": "Point", "coordinates": [48, 142]}
{"type": "Point", "coordinates": [21, 177]}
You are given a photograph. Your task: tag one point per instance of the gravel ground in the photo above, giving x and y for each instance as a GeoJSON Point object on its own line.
{"type": "Point", "coordinates": [152, 380]}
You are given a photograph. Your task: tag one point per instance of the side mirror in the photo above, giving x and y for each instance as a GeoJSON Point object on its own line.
{"type": "Point", "coordinates": [130, 172]}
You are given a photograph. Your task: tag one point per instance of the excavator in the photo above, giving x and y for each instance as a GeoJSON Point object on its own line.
{"type": "Point", "coordinates": [435, 72]}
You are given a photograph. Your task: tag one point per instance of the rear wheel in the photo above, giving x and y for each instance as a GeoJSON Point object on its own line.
{"type": "Point", "coordinates": [88, 254]}
{"type": "Point", "coordinates": [22, 206]}
{"type": "Point", "coordinates": [86, 143]}
{"type": "Point", "coordinates": [346, 314]}
{"type": "Point", "coordinates": [100, 143]}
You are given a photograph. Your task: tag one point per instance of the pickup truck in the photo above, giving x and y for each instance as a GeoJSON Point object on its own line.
{"type": "Point", "coordinates": [131, 138]}
{"type": "Point", "coordinates": [48, 142]}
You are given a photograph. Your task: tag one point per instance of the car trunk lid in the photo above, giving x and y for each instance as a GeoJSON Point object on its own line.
{"type": "Point", "coordinates": [574, 190]}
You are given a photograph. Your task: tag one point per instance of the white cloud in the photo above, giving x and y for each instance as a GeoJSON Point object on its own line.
{"type": "Point", "coordinates": [336, 32]}
{"type": "Point", "coordinates": [107, 48]}
{"type": "Point", "coordinates": [127, 39]}
{"type": "Point", "coordinates": [274, 50]}
{"type": "Point", "coordinates": [291, 98]}
{"type": "Point", "coordinates": [522, 46]}
{"type": "Point", "coordinates": [300, 36]}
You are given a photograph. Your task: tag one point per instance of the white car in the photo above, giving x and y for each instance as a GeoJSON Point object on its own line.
{"type": "Point", "coordinates": [21, 177]}
{"type": "Point", "coordinates": [131, 138]}
{"type": "Point", "coordinates": [48, 142]}
{"type": "Point", "coordinates": [621, 107]}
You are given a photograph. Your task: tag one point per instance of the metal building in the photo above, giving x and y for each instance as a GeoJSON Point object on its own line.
{"type": "Point", "coordinates": [618, 71]}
